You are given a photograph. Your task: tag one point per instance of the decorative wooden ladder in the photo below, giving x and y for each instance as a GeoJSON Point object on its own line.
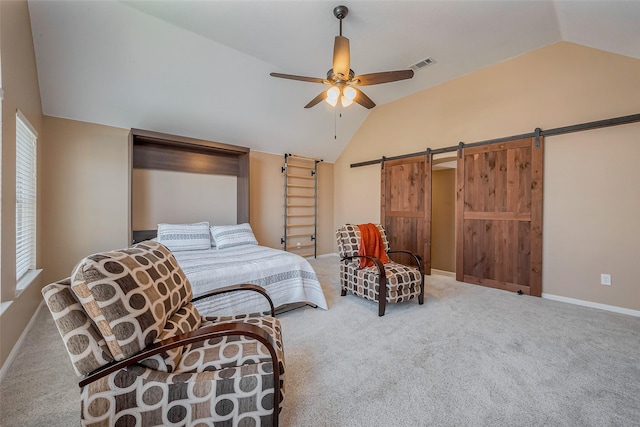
{"type": "Point", "coordinates": [300, 204]}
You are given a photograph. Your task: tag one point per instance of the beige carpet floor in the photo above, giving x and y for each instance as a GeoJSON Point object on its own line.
{"type": "Point", "coordinates": [470, 356]}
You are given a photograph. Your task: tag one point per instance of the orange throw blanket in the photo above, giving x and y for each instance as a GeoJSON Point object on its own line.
{"type": "Point", "coordinates": [371, 245]}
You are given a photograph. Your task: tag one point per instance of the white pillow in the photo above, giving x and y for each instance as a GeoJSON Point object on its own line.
{"type": "Point", "coordinates": [229, 236]}
{"type": "Point", "coordinates": [185, 237]}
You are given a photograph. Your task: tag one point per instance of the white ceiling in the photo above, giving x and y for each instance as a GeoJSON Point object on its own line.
{"type": "Point", "coordinates": [201, 68]}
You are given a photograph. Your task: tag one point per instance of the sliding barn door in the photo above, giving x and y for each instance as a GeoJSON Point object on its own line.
{"type": "Point", "coordinates": [499, 216]}
{"type": "Point", "coordinates": [406, 207]}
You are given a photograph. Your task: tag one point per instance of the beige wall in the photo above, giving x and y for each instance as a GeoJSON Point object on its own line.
{"type": "Point", "coordinates": [86, 193]}
{"type": "Point", "coordinates": [591, 211]}
{"type": "Point", "coordinates": [443, 216]}
{"type": "Point", "coordinates": [267, 201]}
{"type": "Point", "coordinates": [559, 85]}
{"type": "Point", "coordinates": [326, 230]}
{"type": "Point", "coordinates": [21, 92]}
{"type": "Point", "coordinates": [159, 196]}
{"type": "Point", "coordinates": [266, 198]}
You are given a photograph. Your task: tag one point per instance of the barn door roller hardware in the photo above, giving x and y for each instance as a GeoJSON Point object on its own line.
{"type": "Point", "coordinates": [536, 134]}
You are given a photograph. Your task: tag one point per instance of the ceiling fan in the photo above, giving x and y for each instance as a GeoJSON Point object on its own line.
{"type": "Point", "coordinates": [341, 77]}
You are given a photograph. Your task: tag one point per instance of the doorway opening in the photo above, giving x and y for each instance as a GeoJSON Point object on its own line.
{"type": "Point", "coordinates": [443, 219]}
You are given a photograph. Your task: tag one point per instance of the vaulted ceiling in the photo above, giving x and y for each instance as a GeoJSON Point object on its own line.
{"type": "Point", "coordinates": [201, 68]}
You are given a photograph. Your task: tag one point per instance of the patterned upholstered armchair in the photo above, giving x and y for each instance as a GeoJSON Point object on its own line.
{"type": "Point", "coordinates": [396, 282]}
{"type": "Point", "coordinates": [145, 355]}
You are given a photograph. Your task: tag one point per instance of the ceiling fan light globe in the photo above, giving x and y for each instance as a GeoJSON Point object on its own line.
{"type": "Point", "coordinates": [332, 96]}
{"type": "Point", "coordinates": [349, 93]}
{"type": "Point", "coordinates": [346, 101]}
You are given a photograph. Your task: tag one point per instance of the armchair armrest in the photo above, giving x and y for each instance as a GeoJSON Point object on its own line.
{"type": "Point", "coordinates": [382, 281]}
{"type": "Point", "coordinates": [201, 334]}
{"type": "Point", "coordinates": [417, 258]}
{"type": "Point", "coordinates": [375, 260]}
{"type": "Point", "coordinates": [208, 332]}
{"type": "Point", "coordinates": [235, 288]}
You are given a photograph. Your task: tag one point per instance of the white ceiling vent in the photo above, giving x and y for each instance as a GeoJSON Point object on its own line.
{"type": "Point", "coordinates": [422, 64]}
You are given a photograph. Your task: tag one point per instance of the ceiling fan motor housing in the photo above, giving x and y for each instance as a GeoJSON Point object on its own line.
{"type": "Point", "coordinates": [333, 77]}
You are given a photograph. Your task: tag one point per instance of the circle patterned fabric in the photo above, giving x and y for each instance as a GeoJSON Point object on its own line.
{"type": "Point", "coordinates": [219, 382]}
{"type": "Point", "coordinates": [130, 293]}
{"type": "Point", "coordinates": [403, 282]}
{"type": "Point", "coordinates": [86, 347]}
{"type": "Point", "coordinates": [134, 297]}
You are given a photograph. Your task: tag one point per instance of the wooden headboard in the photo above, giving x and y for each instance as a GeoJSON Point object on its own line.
{"type": "Point", "coordinates": [159, 151]}
{"type": "Point", "coordinates": [138, 236]}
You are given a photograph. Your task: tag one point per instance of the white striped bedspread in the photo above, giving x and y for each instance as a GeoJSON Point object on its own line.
{"type": "Point", "coordinates": [288, 278]}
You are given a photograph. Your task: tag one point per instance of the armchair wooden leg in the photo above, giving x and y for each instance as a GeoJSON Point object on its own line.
{"type": "Point", "coordinates": [421, 296]}
{"type": "Point", "coordinates": [382, 305]}
{"type": "Point", "coordinates": [382, 287]}
{"type": "Point", "coordinates": [343, 292]}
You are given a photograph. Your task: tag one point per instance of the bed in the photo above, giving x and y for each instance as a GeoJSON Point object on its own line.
{"type": "Point", "coordinates": [288, 278]}
{"type": "Point", "coordinates": [219, 256]}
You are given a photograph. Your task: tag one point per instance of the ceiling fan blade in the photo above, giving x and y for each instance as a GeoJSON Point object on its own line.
{"type": "Point", "coordinates": [301, 78]}
{"type": "Point", "coordinates": [341, 56]}
{"type": "Point", "coordinates": [383, 77]}
{"type": "Point", "coordinates": [321, 97]}
{"type": "Point", "coordinates": [363, 99]}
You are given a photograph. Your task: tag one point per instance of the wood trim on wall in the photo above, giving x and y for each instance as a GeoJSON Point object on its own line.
{"type": "Point", "coordinates": [243, 187]}
{"type": "Point", "coordinates": [183, 159]}
{"type": "Point", "coordinates": [159, 151]}
{"type": "Point", "coordinates": [158, 138]}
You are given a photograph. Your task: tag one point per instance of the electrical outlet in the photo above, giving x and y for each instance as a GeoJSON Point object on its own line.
{"type": "Point", "coordinates": [605, 279]}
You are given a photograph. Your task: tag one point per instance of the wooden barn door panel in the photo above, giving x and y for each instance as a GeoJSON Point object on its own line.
{"type": "Point", "coordinates": [406, 207]}
{"type": "Point", "coordinates": [499, 216]}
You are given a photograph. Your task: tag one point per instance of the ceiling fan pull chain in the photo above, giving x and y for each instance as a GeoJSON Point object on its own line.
{"type": "Point", "coordinates": [335, 123]}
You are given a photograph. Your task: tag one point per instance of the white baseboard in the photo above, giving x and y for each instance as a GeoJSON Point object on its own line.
{"type": "Point", "coordinates": [606, 307]}
{"type": "Point", "coordinates": [612, 308]}
{"type": "Point", "coordinates": [16, 347]}
{"type": "Point", "coordinates": [443, 273]}
{"type": "Point", "coordinates": [324, 255]}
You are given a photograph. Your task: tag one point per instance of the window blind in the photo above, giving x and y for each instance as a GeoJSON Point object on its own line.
{"type": "Point", "coordinates": [26, 148]}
